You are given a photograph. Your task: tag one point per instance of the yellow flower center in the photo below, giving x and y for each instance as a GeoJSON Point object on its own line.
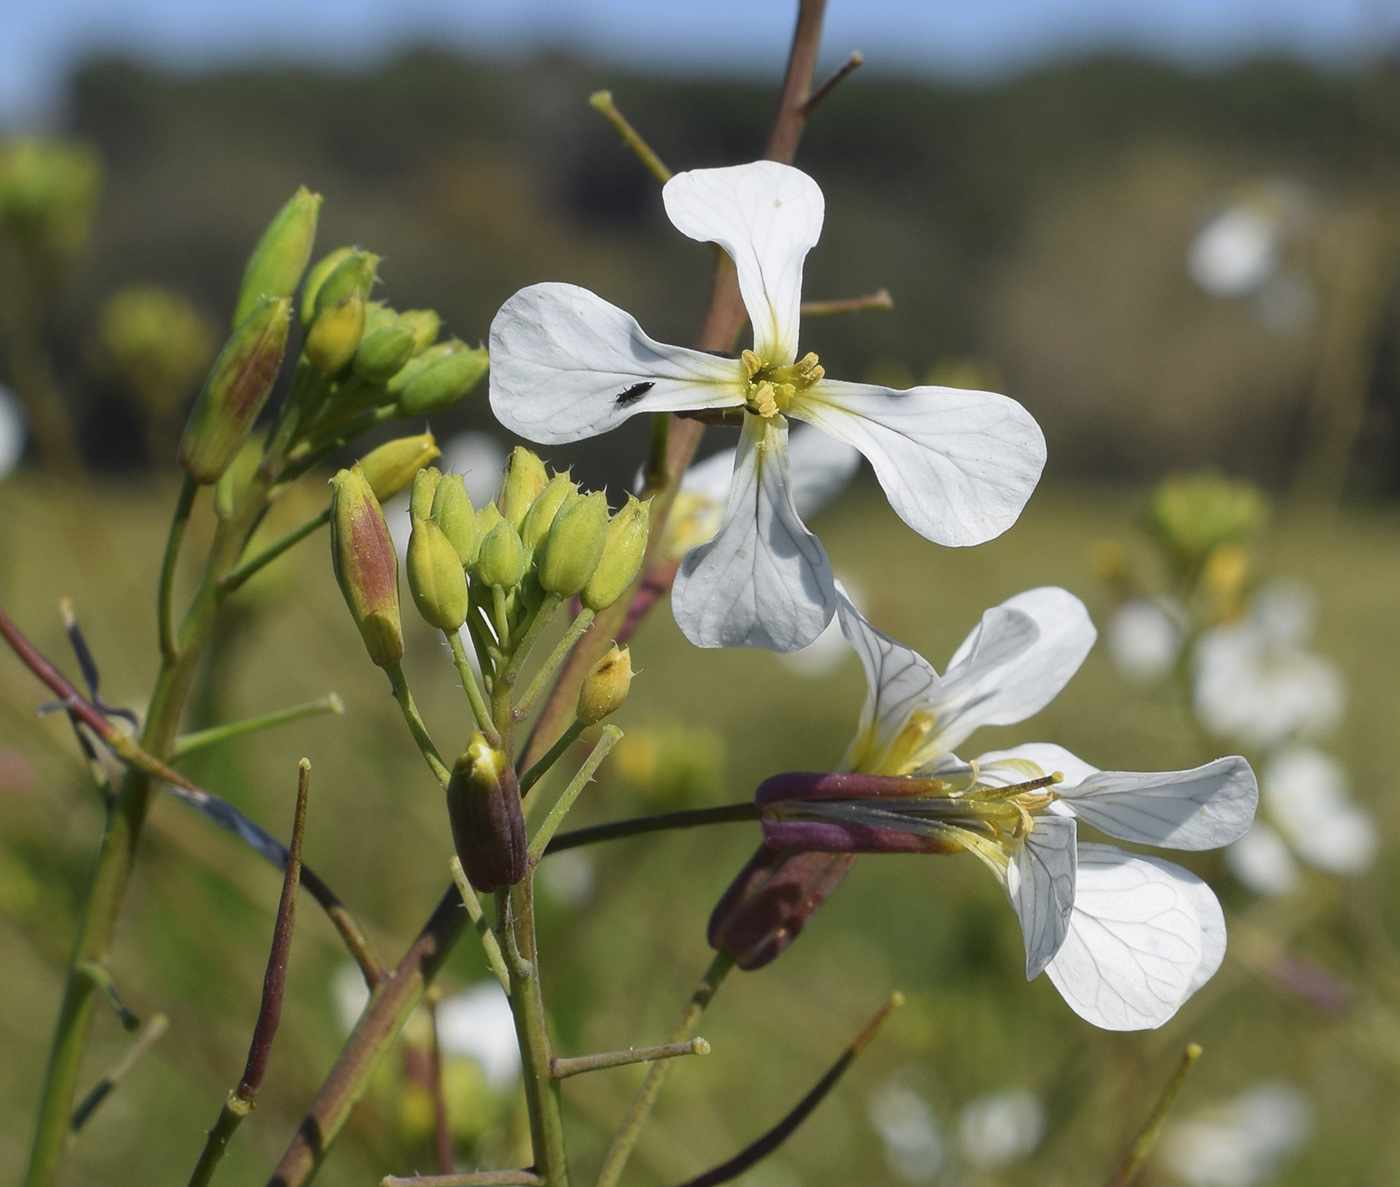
{"type": "Point", "coordinates": [771, 389]}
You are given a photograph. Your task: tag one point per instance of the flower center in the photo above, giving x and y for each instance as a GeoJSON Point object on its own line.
{"type": "Point", "coordinates": [771, 388]}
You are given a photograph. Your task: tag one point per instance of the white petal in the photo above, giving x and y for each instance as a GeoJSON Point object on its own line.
{"type": "Point", "coordinates": [1040, 884]}
{"type": "Point", "coordinates": [764, 580]}
{"type": "Point", "coordinates": [767, 216]}
{"type": "Point", "coordinates": [957, 466]}
{"type": "Point", "coordinates": [1144, 935]}
{"type": "Point", "coordinates": [994, 766]}
{"type": "Point", "coordinates": [566, 365]}
{"type": "Point", "coordinates": [1203, 808]}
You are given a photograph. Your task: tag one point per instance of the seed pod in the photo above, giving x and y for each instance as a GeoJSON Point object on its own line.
{"type": "Point", "coordinates": [442, 382]}
{"type": "Point", "coordinates": [435, 577]}
{"type": "Point", "coordinates": [275, 267]}
{"type": "Point", "coordinates": [390, 467]}
{"type": "Point", "coordinates": [315, 279]}
{"type": "Point", "coordinates": [574, 546]}
{"type": "Point", "coordinates": [543, 510]}
{"type": "Point", "coordinates": [366, 567]}
{"type": "Point", "coordinates": [624, 548]}
{"type": "Point", "coordinates": [382, 353]}
{"type": "Point", "coordinates": [425, 484]}
{"type": "Point", "coordinates": [605, 688]}
{"type": "Point", "coordinates": [335, 334]}
{"type": "Point", "coordinates": [452, 512]}
{"type": "Point", "coordinates": [237, 388]}
{"type": "Point", "coordinates": [488, 827]}
{"type": "Point", "coordinates": [501, 560]}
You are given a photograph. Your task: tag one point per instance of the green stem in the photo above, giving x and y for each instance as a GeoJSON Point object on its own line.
{"type": "Point", "coordinates": [483, 928]}
{"type": "Point", "coordinates": [102, 981]}
{"type": "Point", "coordinates": [520, 650]}
{"type": "Point", "coordinates": [661, 822]}
{"type": "Point", "coordinates": [165, 595]}
{"type": "Point", "coordinates": [556, 657]}
{"type": "Point", "coordinates": [188, 743]}
{"type": "Point", "coordinates": [472, 689]}
{"type": "Point", "coordinates": [564, 1068]}
{"type": "Point", "coordinates": [269, 554]}
{"type": "Point", "coordinates": [631, 1129]}
{"type": "Point", "coordinates": [1147, 1138]}
{"type": "Point", "coordinates": [551, 824]}
{"type": "Point", "coordinates": [541, 768]}
{"type": "Point", "coordinates": [602, 102]}
{"type": "Point", "coordinates": [104, 1087]}
{"type": "Point", "coordinates": [500, 618]}
{"type": "Point", "coordinates": [230, 1117]}
{"type": "Point", "coordinates": [416, 726]}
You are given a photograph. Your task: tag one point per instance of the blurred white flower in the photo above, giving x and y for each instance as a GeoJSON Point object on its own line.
{"type": "Point", "coordinates": [1307, 797]}
{"type": "Point", "coordinates": [400, 525]}
{"type": "Point", "coordinates": [829, 650]}
{"type": "Point", "coordinates": [477, 1022]}
{"type": "Point", "coordinates": [480, 459]}
{"type": "Point", "coordinates": [11, 431]}
{"type": "Point", "coordinates": [350, 994]}
{"type": "Point", "coordinates": [907, 1126]}
{"type": "Point", "coordinates": [1144, 639]}
{"type": "Point", "coordinates": [1242, 1142]}
{"type": "Point", "coordinates": [1262, 861]}
{"type": "Point", "coordinates": [997, 1128]}
{"type": "Point", "coordinates": [568, 878]}
{"type": "Point", "coordinates": [1237, 251]}
{"type": "Point", "coordinates": [1255, 681]}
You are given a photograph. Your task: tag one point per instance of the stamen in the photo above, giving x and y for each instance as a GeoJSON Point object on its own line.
{"type": "Point", "coordinates": [752, 363]}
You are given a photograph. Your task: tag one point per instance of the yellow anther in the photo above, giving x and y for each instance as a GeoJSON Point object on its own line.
{"type": "Point", "coordinates": [765, 401]}
{"type": "Point", "coordinates": [752, 363]}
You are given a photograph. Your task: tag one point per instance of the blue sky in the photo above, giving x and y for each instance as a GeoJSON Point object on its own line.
{"type": "Point", "coordinates": [41, 39]}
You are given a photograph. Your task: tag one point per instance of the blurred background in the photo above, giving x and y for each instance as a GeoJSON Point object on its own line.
{"type": "Point", "coordinates": [1171, 234]}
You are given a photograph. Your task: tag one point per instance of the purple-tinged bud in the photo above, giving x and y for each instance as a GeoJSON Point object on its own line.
{"type": "Point", "coordinates": [787, 827]}
{"type": "Point", "coordinates": [391, 467]}
{"type": "Point", "coordinates": [275, 267]}
{"type": "Point", "coordinates": [336, 333]}
{"type": "Point", "coordinates": [605, 688]}
{"type": "Point", "coordinates": [315, 279]}
{"type": "Point", "coordinates": [366, 566]}
{"type": "Point", "coordinates": [452, 512]}
{"type": "Point", "coordinates": [768, 904]}
{"type": "Point", "coordinates": [237, 388]}
{"type": "Point", "coordinates": [488, 827]}
{"type": "Point", "coordinates": [435, 577]}
{"type": "Point", "coordinates": [442, 382]}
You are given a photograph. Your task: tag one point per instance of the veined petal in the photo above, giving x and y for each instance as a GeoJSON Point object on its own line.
{"type": "Point", "coordinates": [565, 365]}
{"type": "Point", "coordinates": [1040, 884]}
{"type": "Point", "coordinates": [764, 580]}
{"type": "Point", "coordinates": [957, 466]}
{"type": "Point", "coordinates": [767, 217]}
{"type": "Point", "coordinates": [1144, 936]}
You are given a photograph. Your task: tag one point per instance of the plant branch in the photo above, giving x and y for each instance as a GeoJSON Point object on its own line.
{"type": "Point", "coordinates": [566, 799]}
{"type": "Point", "coordinates": [661, 822]}
{"type": "Point", "coordinates": [104, 1087]}
{"type": "Point", "coordinates": [561, 1069]}
{"type": "Point", "coordinates": [269, 554]}
{"type": "Point", "coordinates": [541, 768]}
{"type": "Point", "coordinates": [848, 67]}
{"type": "Point", "coordinates": [165, 596]}
{"type": "Point", "coordinates": [879, 299]}
{"type": "Point", "coordinates": [101, 979]}
{"type": "Point", "coordinates": [483, 928]}
{"type": "Point", "coordinates": [467, 1179]}
{"type": "Point", "coordinates": [582, 621]}
{"type": "Point", "coordinates": [187, 744]}
{"type": "Point", "coordinates": [442, 1130]}
{"type": "Point", "coordinates": [415, 725]}
{"type": "Point", "coordinates": [602, 102]}
{"type": "Point", "coordinates": [1147, 1138]}
{"type": "Point", "coordinates": [471, 688]}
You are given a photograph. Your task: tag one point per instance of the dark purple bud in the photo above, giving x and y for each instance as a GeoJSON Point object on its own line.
{"type": "Point", "coordinates": [488, 828]}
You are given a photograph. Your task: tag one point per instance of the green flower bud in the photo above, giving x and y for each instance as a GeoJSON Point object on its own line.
{"type": "Point", "coordinates": [524, 482]}
{"type": "Point", "coordinates": [356, 273]}
{"type": "Point", "coordinates": [574, 546]}
{"type": "Point", "coordinates": [501, 560]}
{"type": "Point", "coordinates": [335, 334]}
{"type": "Point", "coordinates": [382, 353]}
{"type": "Point", "coordinates": [276, 265]}
{"type": "Point", "coordinates": [366, 568]}
{"type": "Point", "coordinates": [378, 315]}
{"type": "Point", "coordinates": [442, 382]}
{"type": "Point", "coordinates": [1193, 514]}
{"type": "Point", "coordinates": [419, 363]}
{"type": "Point", "coordinates": [435, 577]}
{"type": "Point", "coordinates": [486, 519]}
{"type": "Point", "coordinates": [452, 512]}
{"type": "Point", "coordinates": [315, 279]}
{"type": "Point", "coordinates": [488, 827]}
{"type": "Point", "coordinates": [424, 323]}
{"type": "Point", "coordinates": [425, 484]}
{"type": "Point", "coordinates": [390, 468]}
{"type": "Point", "coordinates": [543, 510]}
{"type": "Point", "coordinates": [237, 388]}
{"type": "Point", "coordinates": [605, 688]}
{"type": "Point", "coordinates": [624, 549]}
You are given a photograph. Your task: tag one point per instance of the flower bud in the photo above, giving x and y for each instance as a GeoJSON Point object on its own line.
{"type": "Point", "coordinates": [315, 279]}
{"type": "Point", "coordinates": [524, 482]}
{"type": "Point", "coordinates": [624, 548]}
{"type": "Point", "coordinates": [237, 388]}
{"type": "Point", "coordinates": [487, 518]}
{"type": "Point", "coordinates": [391, 467]}
{"type": "Point", "coordinates": [335, 334]}
{"type": "Point", "coordinates": [574, 545]}
{"type": "Point", "coordinates": [1193, 514]}
{"type": "Point", "coordinates": [425, 484]}
{"type": "Point", "coordinates": [605, 687]}
{"type": "Point", "coordinates": [366, 567]}
{"type": "Point", "coordinates": [501, 560]}
{"type": "Point", "coordinates": [424, 323]}
{"type": "Point", "coordinates": [383, 353]}
{"type": "Point", "coordinates": [488, 827]}
{"type": "Point", "coordinates": [442, 382]}
{"type": "Point", "coordinates": [543, 510]}
{"type": "Point", "coordinates": [452, 512]}
{"type": "Point", "coordinates": [356, 273]}
{"type": "Point", "coordinates": [276, 265]}
{"type": "Point", "coordinates": [435, 577]}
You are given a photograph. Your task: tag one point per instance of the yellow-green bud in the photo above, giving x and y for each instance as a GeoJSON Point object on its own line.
{"type": "Point", "coordinates": [425, 484]}
{"type": "Point", "coordinates": [435, 577]}
{"type": "Point", "coordinates": [525, 480]}
{"type": "Point", "coordinates": [276, 265]}
{"type": "Point", "coordinates": [1193, 514]}
{"type": "Point", "coordinates": [419, 363]}
{"type": "Point", "coordinates": [452, 512]}
{"type": "Point", "coordinates": [605, 687]}
{"type": "Point", "coordinates": [377, 316]}
{"type": "Point", "coordinates": [442, 382]}
{"type": "Point", "coordinates": [390, 467]}
{"type": "Point", "coordinates": [486, 519]}
{"type": "Point", "coordinates": [543, 510]}
{"type": "Point", "coordinates": [321, 269]}
{"type": "Point", "coordinates": [382, 353]}
{"type": "Point", "coordinates": [488, 827]}
{"type": "Point", "coordinates": [501, 560]}
{"type": "Point", "coordinates": [574, 546]}
{"type": "Point", "coordinates": [624, 548]}
{"type": "Point", "coordinates": [425, 324]}
{"type": "Point", "coordinates": [366, 567]}
{"type": "Point", "coordinates": [356, 273]}
{"type": "Point", "coordinates": [237, 388]}
{"type": "Point", "coordinates": [335, 334]}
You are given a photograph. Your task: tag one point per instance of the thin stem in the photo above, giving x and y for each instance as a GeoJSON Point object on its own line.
{"type": "Point", "coordinates": [602, 102]}
{"type": "Point", "coordinates": [165, 594]}
{"type": "Point", "coordinates": [483, 928]}
{"type": "Point", "coordinates": [187, 744]}
{"type": "Point", "coordinates": [520, 649]}
{"type": "Point", "coordinates": [102, 981]}
{"type": "Point", "coordinates": [661, 822]}
{"type": "Point", "coordinates": [1147, 1138]}
{"type": "Point", "coordinates": [471, 687]}
{"type": "Point", "coordinates": [562, 1069]}
{"type": "Point", "coordinates": [269, 554]}
{"type": "Point", "coordinates": [576, 629]}
{"type": "Point", "coordinates": [657, 473]}
{"type": "Point", "coordinates": [880, 299]}
{"type": "Point", "coordinates": [631, 1129]}
{"type": "Point", "coordinates": [500, 618]}
{"type": "Point", "coordinates": [851, 64]}
{"type": "Point", "coordinates": [467, 1179]}
{"type": "Point", "coordinates": [104, 1087]}
{"type": "Point", "coordinates": [415, 725]}
{"type": "Point", "coordinates": [541, 768]}
{"type": "Point", "coordinates": [566, 799]}
{"type": "Point", "coordinates": [442, 1130]}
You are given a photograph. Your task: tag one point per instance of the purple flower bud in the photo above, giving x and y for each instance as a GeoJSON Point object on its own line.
{"type": "Point", "coordinates": [865, 800]}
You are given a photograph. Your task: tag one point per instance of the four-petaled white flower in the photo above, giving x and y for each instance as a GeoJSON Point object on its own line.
{"type": "Point", "coordinates": [1126, 939]}
{"type": "Point", "coordinates": [956, 465]}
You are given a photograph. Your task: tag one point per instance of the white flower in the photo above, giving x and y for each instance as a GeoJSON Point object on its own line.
{"type": "Point", "coordinates": [1240, 1143]}
{"type": "Point", "coordinates": [956, 465]}
{"type": "Point", "coordinates": [1306, 796]}
{"type": "Point", "coordinates": [1144, 639]}
{"type": "Point", "coordinates": [1262, 860]}
{"type": "Point", "coordinates": [477, 1023]}
{"type": "Point", "coordinates": [997, 1128]}
{"type": "Point", "coordinates": [1237, 252]}
{"type": "Point", "coordinates": [480, 459]}
{"type": "Point", "coordinates": [907, 1126]}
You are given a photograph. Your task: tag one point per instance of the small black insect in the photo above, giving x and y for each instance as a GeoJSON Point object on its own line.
{"type": "Point", "coordinates": [633, 394]}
